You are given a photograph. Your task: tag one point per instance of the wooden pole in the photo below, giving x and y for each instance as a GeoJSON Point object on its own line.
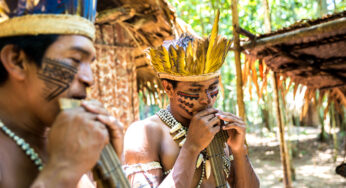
{"type": "Point", "coordinates": [333, 115]}
{"type": "Point", "coordinates": [240, 95]}
{"type": "Point", "coordinates": [285, 160]}
{"type": "Point", "coordinates": [322, 5]}
{"type": "Point", "coordinates": [267, 19]}
{"type": "Point", "coordinates": [283, 147]}
{"type": "Point", "coordinates": [330, 26]}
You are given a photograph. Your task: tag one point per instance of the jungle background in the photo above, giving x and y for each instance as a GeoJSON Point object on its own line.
{"type": "Point", "coordinates": [315, 132]}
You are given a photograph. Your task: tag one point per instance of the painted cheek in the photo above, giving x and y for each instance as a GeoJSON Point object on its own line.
{"type": "Point", "coordinates": [188, 95]}
{"type": "Point", "coordinates": [185, 109]}
{"type": "Point", "coordinates": [186, 105]}
{"type": "Point", "coordinates": [57, 76]}
{"type": "Point", "coordinates": [214, 94]}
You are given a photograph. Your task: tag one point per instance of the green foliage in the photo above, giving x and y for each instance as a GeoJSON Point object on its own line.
{"type": "Point", "coordinates": [200, 14]}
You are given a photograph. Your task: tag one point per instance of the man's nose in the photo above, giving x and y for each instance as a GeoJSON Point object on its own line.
{"type": "Point", "coordinates": [205, 98]}
{"type": "Point", "coordinates": [85, 75]}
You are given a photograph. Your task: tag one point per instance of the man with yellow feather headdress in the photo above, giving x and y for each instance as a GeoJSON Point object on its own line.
{"type": "Point", "coordinates": [169, 148]}
{"type": "Point", "coordinates": [46, 47]}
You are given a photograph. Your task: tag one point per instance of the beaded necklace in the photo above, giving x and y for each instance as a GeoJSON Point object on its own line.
{"type": "Point", "coordinates": [181, 132]}
{"type": "Point", "coordinates": [28, 150]}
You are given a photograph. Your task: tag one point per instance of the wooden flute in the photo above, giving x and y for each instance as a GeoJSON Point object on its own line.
{"type": "Point", "coordinates": [108, 172]}
{"type": "Point", "coordinates": [215, 151]}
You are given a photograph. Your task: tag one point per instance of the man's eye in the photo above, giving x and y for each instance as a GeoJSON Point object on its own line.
{"type": "Point", "coordinates": [194, 90]}
{"type": "Point", "coordinates": [75, 60]}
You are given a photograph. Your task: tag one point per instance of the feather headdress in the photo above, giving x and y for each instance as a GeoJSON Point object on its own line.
{"type": "Point", "coordinates": [191, 59]}
{"type": "Point", "coordinates": [34, 17]}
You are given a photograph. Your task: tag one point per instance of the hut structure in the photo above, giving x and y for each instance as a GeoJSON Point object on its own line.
{"type": "Point", "coordinates": [310, 52]}
{"type": "Point", "coordinates": [124, 29]}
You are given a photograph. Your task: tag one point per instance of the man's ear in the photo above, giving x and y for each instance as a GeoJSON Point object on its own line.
{"type": "Point", "coordinates": [168, 87]}
{"type": "Point", "coordinates": [13, 59]}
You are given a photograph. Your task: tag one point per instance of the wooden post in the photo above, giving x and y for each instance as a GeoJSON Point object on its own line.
{"type": "Point", "coordinates": [285, 159]}
{"type": "Point", "coordinates": [322, 5]}
{"type": "Point", "coordinates": [240, 95]}
{"type": "Point", "coordinates": [267, 19]}
{"type": "Point", "coordinates": [333, 115]}
{"type": "Point", "coordinates": [330, 26]}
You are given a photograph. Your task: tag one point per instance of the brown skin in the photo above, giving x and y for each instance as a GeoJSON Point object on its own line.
{"type": "Point", "coordinates": [191, 104]}
{"type": "Point", "coordinates": [62, 139]}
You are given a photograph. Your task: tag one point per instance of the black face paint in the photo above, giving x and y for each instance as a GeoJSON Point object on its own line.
{"type": "Point", "coordinates": [190, 105]}
{"type": "Point", "coordinates": [188, 95]}
{"type": "Point", "coordinates": [186, 110]}
{"type": "Point", "coordinates": [214, 93]}
{"type": "Point", "coordinates": [57, 76]}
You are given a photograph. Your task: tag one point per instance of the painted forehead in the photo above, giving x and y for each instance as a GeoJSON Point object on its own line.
{"type": "Point", "coordinates": [201, 84]}
{"type": "Point", "coordinates": [73, 44]}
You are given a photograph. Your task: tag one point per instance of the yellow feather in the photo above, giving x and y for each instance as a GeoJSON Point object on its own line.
{"type": "Point", "coordinates": [155, 61]}
{"type": "Point", "coordinates": [212, 41]}
{"type": "Point", "coordinates": [4, 10]}
{"type": "Point", "coordinates": [215, 59]}
{"type": "Point", "coordinates": [189, 56]}
{"type": "Point", "coordinates": [174, 58]}
{"type": "Point", "coordinates": [199, 65]}
{"type": "Point", "coordinates": [165, 58]}
{"type": "Point", "coordinates": [181, 61]}
{"type": "Point", "coordinates": [201, 56]}
{"type": "Point", "coordinates": [193, 65]}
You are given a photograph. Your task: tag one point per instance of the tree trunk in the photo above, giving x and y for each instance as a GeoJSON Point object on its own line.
{"type": "Point", "coordinates": [323, 133]}
{"type": "Point", "coordinates": [322, 5]}
{"type": "Point", "coordinates": [311, 118]}
{"type": "Point", "coordinates": [335, 136]}
{"type": "Point", "coordinates": [240, 95]}
{"type": "Point", "coordinates": [265, 117]}
{"type": "Point", "coordinates": [281, 132]}
{"type": "Point", "coordinates": [283, 147]}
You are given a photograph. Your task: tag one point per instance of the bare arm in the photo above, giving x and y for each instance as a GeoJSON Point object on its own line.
{"type": "Point", "coordinates": [141, 148]}
{"type": "Point", "coordinates": [183, 170]}
{"type": "Point", "coordinates": [61, 178]}
{"type": "Point", "coordinates": [200, 134]}
{"type": "Point", "coordinates": [56, 175]}
{"type": "Point", "coordinates": [180, 176]}
{"type": "Point", "coordinates": [74, 134]}
{"type": "Point", "coordinates": [243, 174]}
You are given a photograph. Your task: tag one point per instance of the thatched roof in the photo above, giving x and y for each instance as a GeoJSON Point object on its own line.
{"type": "Point", "coordinates": [148, 23]}
{"type": "Point", "coordinates": [311, 52]}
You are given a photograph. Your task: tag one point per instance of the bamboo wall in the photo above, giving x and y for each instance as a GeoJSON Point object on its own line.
{"type": "Point", "coordinates": [115, 74]}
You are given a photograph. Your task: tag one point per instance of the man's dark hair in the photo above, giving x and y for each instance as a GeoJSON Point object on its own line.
{"type": "Point", "coordinates": [173, 82]}
{"type": "Point", "coordinates": [33, 46]}
{"type": "Point", "coordinates": [182, 41]}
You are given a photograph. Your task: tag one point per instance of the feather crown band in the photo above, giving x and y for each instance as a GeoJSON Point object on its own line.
{"type": "Point", "coordinates": [189, 58]}
{"type": "Point", "coordinates": [34, 17]}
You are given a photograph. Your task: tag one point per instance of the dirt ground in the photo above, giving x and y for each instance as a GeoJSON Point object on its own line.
{"type": "Point", "coordinates": [313, 163]}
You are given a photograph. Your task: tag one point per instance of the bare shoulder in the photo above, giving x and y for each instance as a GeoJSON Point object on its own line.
{"type": "Point", "coordinates": [1, 161]}
{"type": "Point", "coordinates": [142, 141]}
